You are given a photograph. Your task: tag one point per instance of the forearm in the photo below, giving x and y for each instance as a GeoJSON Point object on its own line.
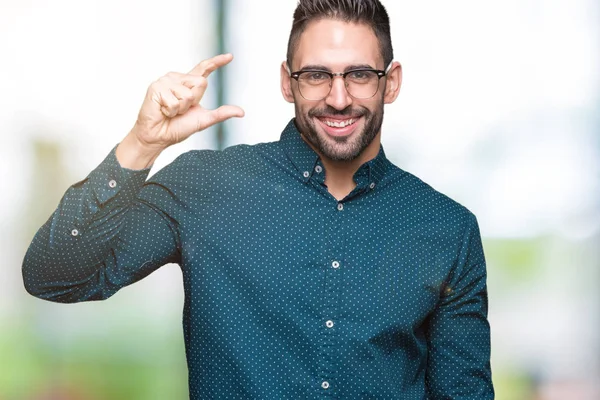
{"type": "Point", "coordinates": [458, 332]}
{"type": "Point", "coordinates": [73, 245]}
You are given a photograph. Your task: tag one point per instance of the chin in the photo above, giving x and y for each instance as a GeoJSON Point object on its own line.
{"type": "Point", "coordinates": [346, 149]}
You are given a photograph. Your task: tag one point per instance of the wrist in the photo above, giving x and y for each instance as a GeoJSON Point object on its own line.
{"type": "Point", "coordinates": [134, 154]}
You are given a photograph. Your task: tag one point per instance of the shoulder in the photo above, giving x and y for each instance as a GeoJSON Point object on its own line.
{"type": "Point", "coordinates": [203, 176]}
{"type": "Point", "coordinates": [199, 172]}
{"type": "Point", "coordinates": [194, 162]}
{"type": "Point", "coordinates": [426, 205]}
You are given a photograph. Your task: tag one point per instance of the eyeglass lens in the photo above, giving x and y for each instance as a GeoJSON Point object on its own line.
{"type": "Point", "coordinates": [315, 85]}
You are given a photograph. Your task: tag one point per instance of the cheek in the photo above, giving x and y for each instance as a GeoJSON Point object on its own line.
{"type": "Point", "coordinates": [299, 109]}
{"type": "Point", "coordinates": [302, 108]}
{"type": "Point", "coordinates": [370, 107]}
{"type": "Point", "coordinates": [376, 105]}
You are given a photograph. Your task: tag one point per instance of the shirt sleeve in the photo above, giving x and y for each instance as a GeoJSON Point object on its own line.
{"type": "Point", "coordinates": [101, 237]}
{"type": "Point", "coordinates": [458, 334]}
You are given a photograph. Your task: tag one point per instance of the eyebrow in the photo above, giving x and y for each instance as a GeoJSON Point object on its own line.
{"type": "Point", "coordinates": [324, 68]}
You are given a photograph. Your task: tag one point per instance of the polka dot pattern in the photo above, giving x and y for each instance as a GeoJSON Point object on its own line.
{"type": "Point", "coordinates": [289, 293]}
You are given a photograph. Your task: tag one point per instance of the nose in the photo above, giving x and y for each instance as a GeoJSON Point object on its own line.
{"type": "Point", "coordinates": [338, 97]}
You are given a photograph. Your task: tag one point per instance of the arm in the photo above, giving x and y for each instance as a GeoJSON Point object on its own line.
{"type": "Point", "coordinates": [458, 333]}
{"type": "Point", "coordinates": [107, 232]}
{"type": "Point", "coordinates": [100, 238]}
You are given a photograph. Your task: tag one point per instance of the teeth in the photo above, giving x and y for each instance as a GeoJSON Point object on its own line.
{"type": "Point", "coordinates": [340, 124]}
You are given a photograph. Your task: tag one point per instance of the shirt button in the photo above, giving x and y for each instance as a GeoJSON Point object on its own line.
{"type": "Point", "coordinates": [306, 174]}
{"type": "Point", "coordinates": [318, 169]}
{"type": "Point", "coordinates": [335, 264]}
{"type": "Point", "coordinates": [74, 232]}
{"type": "Point", "coordinates": [325, 385]}
{"type": "Point", "coordinates": [340, 207]}
{"type": "Point", "coordinates": [329, 324]}
{"type": "Point", "coordinates": [112, 183]}
{"type": "Point", "coordinates": [372, 185]}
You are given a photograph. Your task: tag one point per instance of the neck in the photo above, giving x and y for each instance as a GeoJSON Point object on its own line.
{"type": "Point", "coordinates": [339, 174]}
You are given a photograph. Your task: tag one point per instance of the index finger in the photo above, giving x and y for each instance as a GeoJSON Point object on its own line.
{"type": "Point", "coordinates": [206, 67]}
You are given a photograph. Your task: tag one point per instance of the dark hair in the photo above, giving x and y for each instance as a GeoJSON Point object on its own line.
{"type": "Point", "coordinates": [369, 12]}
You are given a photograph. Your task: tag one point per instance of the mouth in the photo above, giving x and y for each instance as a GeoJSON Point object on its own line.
{"type": "Point", "coordinates": [338, 126]}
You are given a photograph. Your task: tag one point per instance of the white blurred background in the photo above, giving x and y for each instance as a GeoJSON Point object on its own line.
{"type": "Point", "coordinates": [499, 109]}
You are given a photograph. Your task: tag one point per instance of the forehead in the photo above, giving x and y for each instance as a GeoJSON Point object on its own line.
{"type": "Point", "coordinates": [337, 44]}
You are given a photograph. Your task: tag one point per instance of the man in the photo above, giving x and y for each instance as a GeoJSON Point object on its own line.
{"type": "Point", "coordinates": [312, 266]}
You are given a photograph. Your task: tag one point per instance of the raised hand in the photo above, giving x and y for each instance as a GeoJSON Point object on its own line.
{"type": "Point", "coordinates": [171, 113]}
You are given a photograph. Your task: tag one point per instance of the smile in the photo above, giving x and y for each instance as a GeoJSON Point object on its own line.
{"type": "Point", "coordinates": [339, 124]}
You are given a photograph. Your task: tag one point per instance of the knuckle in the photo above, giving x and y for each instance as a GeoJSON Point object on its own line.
{"type": "Point", "coordinates": [163, 80]}
{"type": "Point", "coordinates": [154, 86]}
{"type": "Point", "coordinates": [170, 103]}
{"type": "Point", "coordinates": [218, 114]}
{"type": "Point", "coordinates": [200, 82]}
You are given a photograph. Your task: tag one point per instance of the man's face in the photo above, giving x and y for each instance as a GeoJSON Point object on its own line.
{"type": "Point", "coordinates": [339, 126]}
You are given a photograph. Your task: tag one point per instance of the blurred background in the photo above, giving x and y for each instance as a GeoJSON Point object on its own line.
{"type": "Point", "coordinates": [499, 109]}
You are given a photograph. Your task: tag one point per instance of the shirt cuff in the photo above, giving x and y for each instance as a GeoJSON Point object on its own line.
{"type": "Point", "coordinates": [109, 180]}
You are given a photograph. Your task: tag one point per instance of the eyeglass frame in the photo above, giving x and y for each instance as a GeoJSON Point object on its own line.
{"type": "Point", "coordinates": [380, 74]}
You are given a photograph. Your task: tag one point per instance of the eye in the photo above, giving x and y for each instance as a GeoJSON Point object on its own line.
{"type": "Point", "coordinates": [360, 76]}
{"type": "Point", "coordinates": [315, 77]}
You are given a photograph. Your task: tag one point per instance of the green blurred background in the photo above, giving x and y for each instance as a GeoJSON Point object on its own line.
{"type": "Point", "coordinates": [499, 110]}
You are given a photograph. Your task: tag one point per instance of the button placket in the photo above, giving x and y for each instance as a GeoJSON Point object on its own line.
{"type": "Point", "coordinates": [329, 329]}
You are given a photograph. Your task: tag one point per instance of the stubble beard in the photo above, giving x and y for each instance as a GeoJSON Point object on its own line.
{"type": "Point", "coordinates": [340, 148]}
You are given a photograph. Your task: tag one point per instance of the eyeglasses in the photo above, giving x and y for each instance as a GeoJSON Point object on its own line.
{"type": "Point", "coordinates": [361, 83]}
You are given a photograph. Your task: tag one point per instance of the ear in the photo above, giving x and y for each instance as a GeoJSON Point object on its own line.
{"type": "Point", "coordinates": [393, 83]}
{"type": "Point", "coordinates": [286, 83]}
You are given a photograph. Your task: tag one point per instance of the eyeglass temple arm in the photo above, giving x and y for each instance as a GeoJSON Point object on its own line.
{"type": "Point", "coordinates": [389, 67]}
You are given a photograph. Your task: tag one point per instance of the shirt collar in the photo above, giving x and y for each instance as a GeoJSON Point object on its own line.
{"type": "Point", "coordinates": [305, 159]}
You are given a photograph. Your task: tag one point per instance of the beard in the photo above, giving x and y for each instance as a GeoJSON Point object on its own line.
{"type": "Point", "coordinates": [340, 148]}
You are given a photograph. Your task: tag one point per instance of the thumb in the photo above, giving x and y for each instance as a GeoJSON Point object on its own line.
{"type": "Point", "coordinates": [210, 117]}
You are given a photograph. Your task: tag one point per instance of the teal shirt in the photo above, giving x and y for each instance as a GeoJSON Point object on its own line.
{"type": "Point", "coordinates": [289, 293]}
